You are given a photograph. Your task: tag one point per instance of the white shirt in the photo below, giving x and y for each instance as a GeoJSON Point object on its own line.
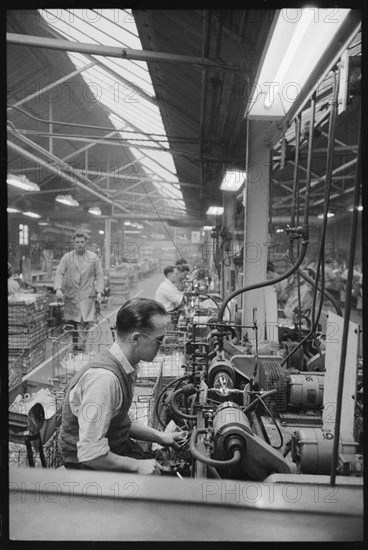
{"type": "Point", "coordinates": [168, 295]}
{"type": "Point", "coordinates": [96, 399]}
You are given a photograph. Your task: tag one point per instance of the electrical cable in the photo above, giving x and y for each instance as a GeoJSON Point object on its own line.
{"type": "Point", "coordinates": [157, 405]}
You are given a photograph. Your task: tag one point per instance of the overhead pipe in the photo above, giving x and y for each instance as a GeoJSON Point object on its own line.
{"type": "Point", "coordinates": [345, 331]}
{"type": "Point", "coordinates": [113, 51]}
{"type": "Point", "coordinates": [94, 127]}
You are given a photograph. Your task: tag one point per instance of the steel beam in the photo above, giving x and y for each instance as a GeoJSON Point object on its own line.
{"type": "Point", "coordinates": [112, 51]}
{"type": "Point", "coordinates": [61, 174]}
{"type": "Point", "coordinates": [52, 85]}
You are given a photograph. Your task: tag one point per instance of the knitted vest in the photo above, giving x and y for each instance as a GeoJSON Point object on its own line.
{"type": "Point", "coordinates": [118, 432]}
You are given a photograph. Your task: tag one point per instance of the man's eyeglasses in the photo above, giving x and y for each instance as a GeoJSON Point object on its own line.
{"type": "Point", "coordinates": [160, 339]}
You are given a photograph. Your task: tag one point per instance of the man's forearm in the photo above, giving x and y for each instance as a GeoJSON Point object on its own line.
{"type": "Point", "coordinates": [145, 433]}
{"type": "Point", "coordinates": [113, 462]}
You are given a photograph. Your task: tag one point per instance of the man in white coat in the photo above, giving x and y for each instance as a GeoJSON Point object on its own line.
{"type": "Point", "coordinates": [77, 279]}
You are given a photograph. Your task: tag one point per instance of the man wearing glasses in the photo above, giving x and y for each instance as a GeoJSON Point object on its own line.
{"type": "Point", "coordinates": [96, 430]}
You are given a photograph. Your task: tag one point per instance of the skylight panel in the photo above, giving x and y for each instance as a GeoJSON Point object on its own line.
{"type": "Point", "coordinates": [128, 109]}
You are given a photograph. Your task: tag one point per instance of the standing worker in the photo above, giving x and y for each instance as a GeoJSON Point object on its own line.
{"type": "Point", "coordinates": [80, 275]}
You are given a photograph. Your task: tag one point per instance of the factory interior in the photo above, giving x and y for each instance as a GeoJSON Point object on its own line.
{"type": "Point", "coordinates": [221, 148]}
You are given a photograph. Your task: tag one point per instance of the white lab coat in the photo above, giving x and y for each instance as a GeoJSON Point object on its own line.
{"type": "Point", "coordinates": [79, 277]}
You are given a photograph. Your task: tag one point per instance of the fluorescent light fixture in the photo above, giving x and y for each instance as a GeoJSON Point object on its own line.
{"type": "Point", "coordinates": [132, 231]}
{"type": "Point", "coordinates": [233, 180]}
{"type": "Point", "coordinates": [101, 232]}
{"type": "Point", "coordinates": [22, 183]}
{"type": "Point", "coordinates": [95, 210]}
{"type": "Point", "coordinates": [31, 214]}
{"type": "Point", "coordinates": [127, 222]}
{"type": "Point", "coordinates": [67, 200]}
{"type": "Point", "coordinates": [299, 39]}
{"type": "Point", "coordinates": [329, 215]}
{"type": "Point", "coordinates": [43, 223]}
{"type": "Point", "coordinates": [12, 210]}
{"type": "Point", "coordinates": [215, 211]}
{"type": "Point", "coordinates": [207, 227]}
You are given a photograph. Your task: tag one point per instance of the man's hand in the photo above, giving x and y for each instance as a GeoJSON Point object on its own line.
{"type": "Point", "coordinates": [59, 294]}
{"type": "Point", "coordinates": [149, 467]}
{"type": "Point", "coordinates": [173, 439]}
{"type": "Point", "coordinates": [99, 297]}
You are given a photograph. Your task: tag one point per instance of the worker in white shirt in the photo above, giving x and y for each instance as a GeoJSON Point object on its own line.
{"type": "Point", "coordinates": [167, 293]}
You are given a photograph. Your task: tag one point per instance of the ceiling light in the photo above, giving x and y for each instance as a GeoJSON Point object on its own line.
{"type": "Point", "coordinates": [43, 223]}
{"type": "Point", "coordinates": [215, 211]}
{"type": "Point", "coordinates": [233, 180]}
{"type": "Point", "coordinates": [101, 232]}
{"type": "Point", "coordinates": [359, 208]}
{"type": "Point", "coordinates": [299, 39]}
{"type": "Point", "coordinates": [207, 227]}
{"type": "Point", "coordinates": [329, 215]}
{"type": "Point", "coordinates": [95, 210]}
{"type": "Point", "coordinates": [22, 183]}
{"type": "Point", "coordinates": [127, 222]}
{"type": "Point", "coordinates": [67, 200]}
{"type": "Point", "coordinates": [279, 230]}
{"type": "Point", "coordinates": [12, 210]}
{"type": "Point", "coordinates": [31, 214]}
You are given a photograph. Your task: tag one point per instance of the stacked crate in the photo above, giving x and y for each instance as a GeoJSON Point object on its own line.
{"type": "Point", "coordinates": [27, 330]}
{"type": "Point", "coordinates": [119, 285]}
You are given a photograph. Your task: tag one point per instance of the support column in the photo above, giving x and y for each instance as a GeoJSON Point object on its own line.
{"type": "Point", "coordinates": [229, 203]}
{"type": "Point", "coordinates": [107, 243]}
{"type": "Point", "coordinates": [256, 222]}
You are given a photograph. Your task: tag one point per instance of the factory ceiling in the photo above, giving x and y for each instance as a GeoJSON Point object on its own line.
{"type": "Point", "coordinates": [145, 120]}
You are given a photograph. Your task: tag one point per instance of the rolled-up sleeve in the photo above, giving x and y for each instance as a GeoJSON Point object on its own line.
{"type": "Point", "coordinates": [95, 401]}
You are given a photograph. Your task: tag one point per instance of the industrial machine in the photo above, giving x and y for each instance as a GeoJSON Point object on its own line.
{"type": "Point", "coordinates": [249, 416]}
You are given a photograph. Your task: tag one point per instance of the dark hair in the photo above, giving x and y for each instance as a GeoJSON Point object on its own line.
{"type": "Point", "coordinates": [183, 267]}
{"type": "Point", "coordinates": [181, 261]}
{"type": "Point", "coordinates": [137, 314]}
{"type": "Point", "coordinates": [80, 233]}
{"type": "Point", "coordinates": [169, 269]}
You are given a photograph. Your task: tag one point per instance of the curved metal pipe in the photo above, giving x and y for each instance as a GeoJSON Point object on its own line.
{"type": "Point", "coordinates": [210, 461]}
{"type": "Point", "coordinates": [268, 282]}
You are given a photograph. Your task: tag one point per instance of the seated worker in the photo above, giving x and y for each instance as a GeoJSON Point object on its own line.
{"type": "Point", "coordinates": [96, 429]}
{"type": "Point", "coordinates": [168, 293]}
{"type": "Point", "coordinates": [183, 270]}
{"type": "Point", "coordinates": [13, 285]}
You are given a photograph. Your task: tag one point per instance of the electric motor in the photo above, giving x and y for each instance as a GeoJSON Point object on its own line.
{"type": "Point", "coordinates": [305, 391]}
{"type": "Point", "coordinates": [229, 423]}
{"type": "Point", "coordinates": [311, 449]}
